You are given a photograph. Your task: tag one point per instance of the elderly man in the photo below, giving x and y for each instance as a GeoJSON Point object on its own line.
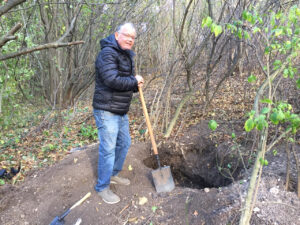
{"type": "Point", "coordinates": [115, 84]}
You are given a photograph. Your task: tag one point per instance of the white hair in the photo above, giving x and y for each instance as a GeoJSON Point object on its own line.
{"type": "Point", "coordinates": [128, 24]}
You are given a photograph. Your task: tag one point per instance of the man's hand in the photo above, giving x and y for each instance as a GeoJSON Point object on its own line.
{"type": "Point", "coordinates": [140, 80]}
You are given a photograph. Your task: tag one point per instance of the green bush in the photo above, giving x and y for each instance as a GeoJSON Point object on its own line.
{"type": "Point", "coordinates": [89, 132]}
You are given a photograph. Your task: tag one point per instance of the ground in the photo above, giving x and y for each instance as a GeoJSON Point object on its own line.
{"type": "Point", "coordinates": [49, 192]}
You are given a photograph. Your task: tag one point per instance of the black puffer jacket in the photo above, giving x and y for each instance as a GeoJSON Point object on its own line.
{"type": "Point", "coordinates": [115, 81]}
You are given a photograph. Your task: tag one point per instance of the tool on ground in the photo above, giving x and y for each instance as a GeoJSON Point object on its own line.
{"type": "Point", "coordinates": [78, 222]}
{"type": "Point", "coordinates": [59, 220]}
{"type": "Point", "coordinates": [162, 177]}
{"type": "Point", "coordinates": [4, 174]}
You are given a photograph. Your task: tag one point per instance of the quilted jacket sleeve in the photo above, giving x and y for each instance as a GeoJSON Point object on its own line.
{"type": "Point", "coordinates": [107, 65]}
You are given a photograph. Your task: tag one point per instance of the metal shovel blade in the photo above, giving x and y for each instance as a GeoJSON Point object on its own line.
{"type": "Point", "coordinates": [163, 180]}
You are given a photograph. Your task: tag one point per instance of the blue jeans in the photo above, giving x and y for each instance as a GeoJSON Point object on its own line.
{"type": "Point", "coordinates": [114, 137]}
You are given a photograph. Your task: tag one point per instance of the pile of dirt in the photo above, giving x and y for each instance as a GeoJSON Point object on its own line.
{"type": "Point", "coordinates": [48, 193]}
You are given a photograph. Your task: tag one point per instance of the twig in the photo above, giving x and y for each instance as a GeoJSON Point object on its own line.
{"type": "Point", "coordinates": [85, 119]}
{"type": "Point", "coordinates": [38, 48]}
{"type": "Point", "coordinates": [187, 202]}
{"type": "Point", "coordinates": [298, 167]}
{"type": "Point", "coordinates": [288, 167]}
{"type": "Point", "coordinates": [9, 5]}
{"type": "Point", "coordinates": [71, 26]}
{"type": "Point", "coordinates": [266, 82]}
{"type": "Point", "coordinates": [124, 208]}
{"type": "Point", "coordinates": [278, 139]}
{"type": "Point", "coordinates": [10, 35]}
{"type": "Point", "coordinates": [181, 123]}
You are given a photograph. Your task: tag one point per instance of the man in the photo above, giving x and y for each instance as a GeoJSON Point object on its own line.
{"type": "Point", "coordinates": [115, 84]}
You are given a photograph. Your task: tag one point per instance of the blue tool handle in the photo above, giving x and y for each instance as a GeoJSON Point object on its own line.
{"type": "Point", "coordinates": [61, 217]}
{"type": "Point", "coordinates": [57, 220]}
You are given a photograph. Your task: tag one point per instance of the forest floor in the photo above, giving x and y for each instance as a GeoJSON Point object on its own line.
{"type": "Point", "coordinates": [47, 193]}
{"type": "Point", "coordinates": [59, 168]}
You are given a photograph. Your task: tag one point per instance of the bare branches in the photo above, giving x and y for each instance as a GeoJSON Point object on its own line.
{"type": "Point", "coordinates": [266, 82]}
{"type": "Point", "coordinates": [183, 21]}
{"type": "Point", "coordinates": [77, 10]}
{"type": "Point", "coordinates": [210, 12]}
{"type": "Point", "coordinates": [10, 35]}
{"type": "Point", "coordinates": [9, 5]}
{"type": "Point", "coordinates": [38, 48]}
{"type": "Point", "coordinates": [57, 44]}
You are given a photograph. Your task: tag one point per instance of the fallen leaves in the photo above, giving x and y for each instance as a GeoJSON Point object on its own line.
{"type": "Point", "coordinates": [196, 213]}
{"type": "Point", "coordinates": [130, 168]}
{"type": "Point", "coordinates": [206, 190]}
{"type": "Point", "coordinates": [143, 200]}
{"type": "Point", "coordinates": [132, 219]}
{"type": "Point", "coordinates": [38, 146]}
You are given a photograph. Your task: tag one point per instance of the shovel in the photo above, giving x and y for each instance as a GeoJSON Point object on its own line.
{"type": "Point", "coordinates": [162, 177]}
{"type": "Point", "coordinates": [59, 220]}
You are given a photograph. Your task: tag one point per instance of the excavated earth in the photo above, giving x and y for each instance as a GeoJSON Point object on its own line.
{"type": "Point", "coordinates": [202, 195]}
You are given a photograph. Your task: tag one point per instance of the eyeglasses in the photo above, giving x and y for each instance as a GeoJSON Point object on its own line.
{"type": "Point", "coordinates": [128, 36]}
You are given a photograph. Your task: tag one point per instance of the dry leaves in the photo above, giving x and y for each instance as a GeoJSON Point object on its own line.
{"type": "Point", "coordinates": [143, 200]}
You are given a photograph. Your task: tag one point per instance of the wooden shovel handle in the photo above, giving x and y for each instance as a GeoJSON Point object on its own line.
{"type": "Point", "coordinates": [148, 122]}
{"type": "Point", "coordinates": [81, 200]}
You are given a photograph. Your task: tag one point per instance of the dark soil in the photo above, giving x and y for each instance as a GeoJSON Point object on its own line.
{"type": "Point", "coordinates": [202, 194]}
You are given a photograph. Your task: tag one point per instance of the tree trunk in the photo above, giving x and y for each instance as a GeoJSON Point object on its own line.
{"type": "Point", "coordinates": [183, 101]}
{"type": "Point", "coordinates": [297, 166]}
{"type": "Point", "coordinates": [1, 94]}
{"type": "Point", "coordinates": [288, 161]}
{"type": "Point", "coordinates": [246, 212]}
{"type": "Point", "coordinates": [3, 86]}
